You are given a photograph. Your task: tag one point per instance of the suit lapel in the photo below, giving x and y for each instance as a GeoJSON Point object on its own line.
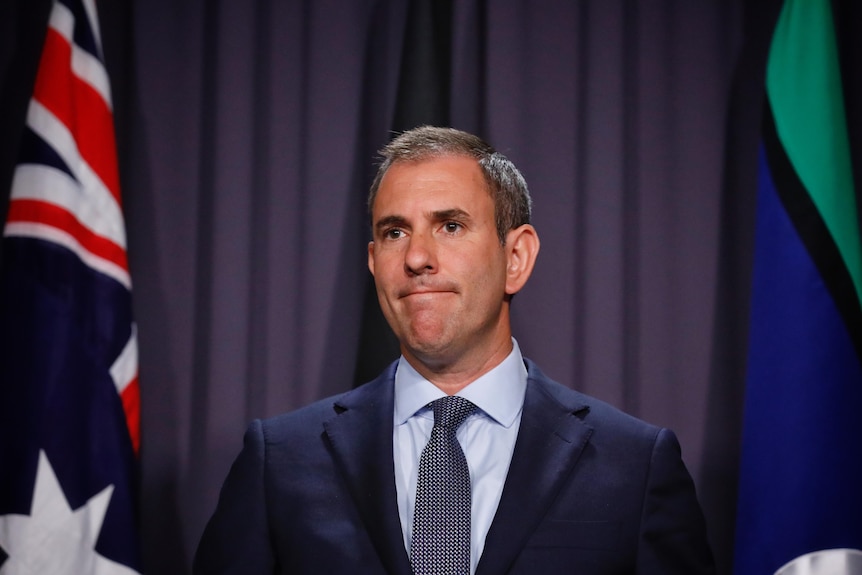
{"type": "Point", "coordinates": [550, 441]}
{"type": "Point", "coordinates": [361, 437]}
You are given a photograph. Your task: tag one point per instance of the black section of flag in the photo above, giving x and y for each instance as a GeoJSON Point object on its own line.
{"type": "Point", "coordinates": [813, 231]}
{"type": "Point", "coordinates": [424, 86]}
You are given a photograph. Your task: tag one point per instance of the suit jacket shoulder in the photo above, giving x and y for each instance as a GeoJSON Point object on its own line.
{"type": "Point", "coordinates": [592, 486]}
{"type": "Point", "coordinates": [312, 491]}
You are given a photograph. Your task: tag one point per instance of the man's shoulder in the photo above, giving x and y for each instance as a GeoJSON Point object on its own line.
{"type": "Point", "coordinates": [594, 412]}
{"type": "Point", "coordinates": [312, 416]}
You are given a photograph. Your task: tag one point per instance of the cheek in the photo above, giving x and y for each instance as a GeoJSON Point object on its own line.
{"type": "Point", "coordinates": [487, 274]}
{"type": "Point", "coordinates": [385, 267]}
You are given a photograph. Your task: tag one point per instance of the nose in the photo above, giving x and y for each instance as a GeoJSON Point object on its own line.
{"type": "Point", "coordinates": [421, 255]}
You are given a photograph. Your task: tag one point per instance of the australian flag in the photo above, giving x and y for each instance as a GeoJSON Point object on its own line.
{"type": "Point", "coordinates": [69, 408]}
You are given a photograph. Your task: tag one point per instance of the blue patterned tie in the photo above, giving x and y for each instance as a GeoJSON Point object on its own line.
{"type": "Point", "coordinates": [441, 520]}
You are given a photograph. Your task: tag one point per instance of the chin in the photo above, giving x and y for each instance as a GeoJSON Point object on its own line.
{"type": "Point", "coordinates": [429, 348]}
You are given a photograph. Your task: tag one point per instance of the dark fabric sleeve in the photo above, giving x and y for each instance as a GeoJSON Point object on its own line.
{"type": "Point", "coordinates": [236, 539]}
{"type": "Point", "coordinates": [673, 531]}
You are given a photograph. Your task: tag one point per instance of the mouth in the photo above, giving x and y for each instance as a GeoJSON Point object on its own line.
{"type": "Point", "coordinates": [420, 293]}
{"type": "Point", "coordinates": [426, 291]}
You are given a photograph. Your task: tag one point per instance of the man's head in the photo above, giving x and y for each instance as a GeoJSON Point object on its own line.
{"type": "Point", "coordinates": [444, 265]}
{"type": "Point", "coordinates": [506, 185]}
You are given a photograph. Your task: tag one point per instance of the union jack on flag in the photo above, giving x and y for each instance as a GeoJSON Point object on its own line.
{"type": "Point", "coordinates": [69, 399]}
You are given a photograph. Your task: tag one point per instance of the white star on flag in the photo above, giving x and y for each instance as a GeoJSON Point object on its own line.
{"type": "Point", "coordinates": [53, 538]}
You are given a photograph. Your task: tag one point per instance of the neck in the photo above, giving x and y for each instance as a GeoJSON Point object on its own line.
{"type": "Point", "coordinates": [453, 376]}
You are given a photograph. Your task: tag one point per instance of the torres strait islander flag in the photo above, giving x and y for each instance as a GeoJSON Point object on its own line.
{"type": "Point", "coordinates": [800, 491]}
{"type": "Point", "coordinates": [69, 405]}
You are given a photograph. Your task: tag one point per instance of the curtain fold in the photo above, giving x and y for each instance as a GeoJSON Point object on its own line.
{"type": "Point", "coordinates": [248, 137]}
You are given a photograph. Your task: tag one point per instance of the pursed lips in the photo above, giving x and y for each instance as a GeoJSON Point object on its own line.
{"type": "Point", "coordinates": [426, 291]}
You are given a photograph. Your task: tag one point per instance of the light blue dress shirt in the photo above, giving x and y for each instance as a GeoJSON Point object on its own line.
{"type": "Point", "coordinates": [487, 438]}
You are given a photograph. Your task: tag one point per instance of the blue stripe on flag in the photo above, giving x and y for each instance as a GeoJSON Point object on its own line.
{"type": "Point", "coordinates": [62, 324]}
{"type": "Point", "coordinates": [801, 468]}
{"type": "Point", "coordinates": [83, 35]}
{"type": "Point", "coordinates": [35, 150]}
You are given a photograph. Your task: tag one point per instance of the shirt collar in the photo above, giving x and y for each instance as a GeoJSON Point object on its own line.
{"type": "Point", "coordinates": [499, 393]}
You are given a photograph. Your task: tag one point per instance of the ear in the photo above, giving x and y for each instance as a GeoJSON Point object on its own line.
{"type": "Point", "coordinates": [522, 249]}
{"type": "Point", "coordinates": [371, 257]}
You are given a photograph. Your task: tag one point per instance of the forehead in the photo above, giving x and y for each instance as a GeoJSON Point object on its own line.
{"type": "Point", "coordinates": [433, 181]}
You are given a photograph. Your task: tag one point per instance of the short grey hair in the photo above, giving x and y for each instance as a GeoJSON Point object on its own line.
{"type": "Point", "coordinates": [506, 185]}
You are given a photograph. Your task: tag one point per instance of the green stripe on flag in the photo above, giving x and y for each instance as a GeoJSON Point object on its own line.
{"type": "Point", "coordinates": [803, 85]}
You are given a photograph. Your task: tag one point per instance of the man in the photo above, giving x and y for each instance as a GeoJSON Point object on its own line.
{"type": "Point", "coordinates": [536, 478]}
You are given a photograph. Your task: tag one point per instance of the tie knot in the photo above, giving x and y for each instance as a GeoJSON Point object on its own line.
{"type": "Point", "coordinates": [451, 411]}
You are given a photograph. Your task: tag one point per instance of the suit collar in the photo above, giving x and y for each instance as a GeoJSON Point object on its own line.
{"type": "Point", "coordinates": [361, 437]}
{"type": "Point", "coordinates": [551, 438]}
{"type": "Point", "coordinates": [499, 392]}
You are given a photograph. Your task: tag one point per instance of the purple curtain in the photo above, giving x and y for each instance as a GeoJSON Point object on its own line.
{"type": "Point", "coordinates": [247, 136]}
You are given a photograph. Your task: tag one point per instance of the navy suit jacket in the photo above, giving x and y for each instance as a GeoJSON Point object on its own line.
{"type": "Point", "coordinates": [590, 490]}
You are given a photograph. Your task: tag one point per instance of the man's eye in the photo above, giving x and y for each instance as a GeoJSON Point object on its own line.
{"type": "Point", "coordinates": [393, 234]}
{"type": "Point", "coordinates": [452, 227]}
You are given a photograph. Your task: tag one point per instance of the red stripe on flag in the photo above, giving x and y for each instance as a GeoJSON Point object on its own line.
{"type": "Point", "coordinates": [131, 397]}
{"type": "Point", "coordinates": [80, 108]}
{"type": "Point", "coordinates": [36, 211]}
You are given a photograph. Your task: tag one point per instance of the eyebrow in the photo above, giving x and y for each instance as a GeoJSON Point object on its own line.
{"type": "Point", "coordinates": [389, 221]}
{"type": "Point", "coordinates": [451, 214]}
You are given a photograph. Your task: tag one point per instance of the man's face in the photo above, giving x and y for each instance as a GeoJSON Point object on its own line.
{"type": "Point", "coordinates": [437, 261]}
